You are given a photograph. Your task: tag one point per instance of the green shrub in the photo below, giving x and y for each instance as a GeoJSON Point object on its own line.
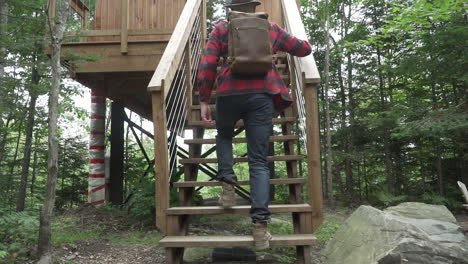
{"type": "Point", "coordinates": [281, 228]}
{"type": "Point", "coordinates": [18, 233]}
{"type": "Point", "coordinates": [326, 231]}
{"type": "Point", "coordinates": [433, 198]}
{"type": "Point", "coordinates": [389, 199]}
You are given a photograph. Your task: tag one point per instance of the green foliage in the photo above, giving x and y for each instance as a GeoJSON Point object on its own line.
{"type": "Point", "coordinates": [326, 231]}
{"type": "Point", "coordinates": [437, 122]}
{"type": "Point", "coordinates": [287, 255]}
{"type": "Point", "coordinates": [432, 198]}
{"type": "Point", "coordinates": [61, 237]}
{"type": "Point", "coordinates": [135, 238]}
{"type": "Point", "coordinates": [389, 199]}
{"type": "Point", "coordinates": [281, 228]}
{"type": "Point", "coordinates": [18, 233]}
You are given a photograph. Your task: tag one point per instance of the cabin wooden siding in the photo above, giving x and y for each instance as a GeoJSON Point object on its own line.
{"type": "Point", "coordinates": [273, 8]}
{"type": "Point", "coordinates": [142, 14]}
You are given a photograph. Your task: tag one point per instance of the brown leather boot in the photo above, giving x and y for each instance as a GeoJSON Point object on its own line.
{"type": "Point", "coordinates": [261, 235]}
{"type": "Point", "coordinates": [228, 197]}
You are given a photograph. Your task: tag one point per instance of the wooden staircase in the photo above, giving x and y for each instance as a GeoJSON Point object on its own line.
{"type": "Point", "coordinates": [176, 108]}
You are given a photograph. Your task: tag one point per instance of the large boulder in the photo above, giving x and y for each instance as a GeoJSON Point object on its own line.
{"type": "Point", "coordinates": [399, 235]}
{"type": "Point", "coordinates": [422, 211]}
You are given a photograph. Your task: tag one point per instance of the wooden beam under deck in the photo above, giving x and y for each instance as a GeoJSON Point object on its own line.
{"type": "Point", "coordinates": [140, 56]}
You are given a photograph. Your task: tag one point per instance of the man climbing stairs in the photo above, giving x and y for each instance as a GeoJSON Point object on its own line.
{"type": "Point", "coordinates": [302, 212]}
{"type": "Point", "coordinates": [172, 91]}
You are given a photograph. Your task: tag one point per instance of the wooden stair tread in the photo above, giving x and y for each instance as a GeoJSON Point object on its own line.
{"type": "Point", "coordinates": [276, 121]}
{"type": "Point", "coordinates": [245, 241]}
{"type": "Point", "coordinates": [240, 140]}
{"type": "Point", "coordinates": [238, 209]}
{"type": "Point", "coordinates": [187, 184]}
{"type": "Point", "coordinates": [240, 159]}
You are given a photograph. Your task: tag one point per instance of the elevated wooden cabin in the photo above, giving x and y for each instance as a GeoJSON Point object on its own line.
{"type": "Point", "coordinates": [146, 56]}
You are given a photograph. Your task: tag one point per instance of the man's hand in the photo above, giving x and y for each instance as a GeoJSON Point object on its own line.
{"type": "Point", "coordinates": [206, 114]}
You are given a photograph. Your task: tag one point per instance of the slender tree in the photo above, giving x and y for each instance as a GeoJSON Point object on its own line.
{"type": "Point", "coordinates": [3, 31]}
{"type": "Point", "coordinates": [56, 29]}
{"type": "Point", "coordinates": [35, 78]}
{"type": "Point", "coordinates": [328, 151]}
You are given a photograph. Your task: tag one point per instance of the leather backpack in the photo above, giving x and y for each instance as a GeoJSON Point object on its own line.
{"type": "Point", "coordinates": [249, 49]}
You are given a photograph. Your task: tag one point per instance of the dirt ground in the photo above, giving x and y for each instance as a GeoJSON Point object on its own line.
{"type": "Point", "coordinates": [111, 245]}
{"type": "Point", "coordinates": [114, 237]}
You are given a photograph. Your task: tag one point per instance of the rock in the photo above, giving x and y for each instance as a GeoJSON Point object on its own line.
{"type": "Point", "coordinates": [197, 254]}
{"type": "Point", "coordinates": [422, 211]}
{"type": "Point", "coordinates": [372, 236]}
{"type": "Point", "coordinates": [70, 257]}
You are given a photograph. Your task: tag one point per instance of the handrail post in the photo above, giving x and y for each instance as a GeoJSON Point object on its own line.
{"type": "Point", "coordinates": [203, 22]}
{"type": "Point", "coordinates": [188, 76]}
{"type": "Point", "coordinates": [313, 153]}
{"type": "Point", "coordinates": [124, 28]}
{"type": "Point", "coordinates": [161, 166]}
{"type": "Point", "coordinates": [84, 25]}
{"type": "Point", "coordinates": [52, 7]}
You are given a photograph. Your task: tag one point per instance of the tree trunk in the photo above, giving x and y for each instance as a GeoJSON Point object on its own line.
{"type": "Point", "coordinates": [440, 182]}
{"type": "Point", "coordinates": [351, 108]}
{"type": "Point", "coordinates": [329, 158]}
{"type": "Point", "coordinates": [3, 31]}
{"type": "Point", "coordinates": [48, 208]}
{"type": "Point", "coordinates": [27, 146]}
{"type": "Point", "coordinates": [33, 177]}
{"type": "Point", "coordinates": [4, 136]}
{"type": "Point", "coordinates": [3, 52]}
{"type": "Point", "coordinates": [385, 134]}
{"type": "Point", "coordinates": [15, 156]}
{"type": "Point", "coordinates": [347, 159]}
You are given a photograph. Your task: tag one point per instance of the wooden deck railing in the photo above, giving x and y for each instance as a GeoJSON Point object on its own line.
{"type": "Point", "coordinates": [305, 79]}
{"type": "Point", "coordinates": [171, 91]}
{"type": "Point", "coordinates": [121, 20]}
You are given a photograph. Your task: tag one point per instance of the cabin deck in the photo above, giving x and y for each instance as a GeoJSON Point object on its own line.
{"type": "Point", "coordinates": [147, 54]}
{"type": "Point", "coordinates": [118, 44]}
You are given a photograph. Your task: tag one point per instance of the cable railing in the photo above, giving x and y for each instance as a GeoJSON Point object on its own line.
{"type": "Point", "coordinates": [176, 73]}
{"type": "Point", "coordinates": [303, 70]}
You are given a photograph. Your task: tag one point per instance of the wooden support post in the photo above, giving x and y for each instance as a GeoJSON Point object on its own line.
{"type": "Point", "coordinates": [295, 191]}
{"type": "Point", "coordinates": [161, 159]}
{"type": "Point", "coordinates": [188, 76]}
{"type": "Point", "coordinates": [303, 253]}
{"type": "Point", "coordinates": [313, 153]}
{"type": "Point", "coordinates": [191, 170]}
{"type": "Point", "coordinates": [117, 153]}
{"type": "Point", "coordinates": [84, 26]}
{"type": "Point", "coordinates": [174, 228]}
{"type": "Point", "coordinates": [271, 166]}
{"type": "Point", "coordinates": [124, 28]}
{"type": "Point", "coordinates": [203, 21]}
{"type": "Point", "coordinates": [52, 8]}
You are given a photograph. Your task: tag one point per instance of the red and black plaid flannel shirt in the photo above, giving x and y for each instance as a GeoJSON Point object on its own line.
{"type": "Point", "coordinates": [229, 84]}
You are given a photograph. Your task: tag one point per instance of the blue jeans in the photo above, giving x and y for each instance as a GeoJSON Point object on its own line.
{"type": "Point", "coordinates": [256, 110]}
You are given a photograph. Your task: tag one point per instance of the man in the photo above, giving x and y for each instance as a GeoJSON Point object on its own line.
{"type": "Point", "coordinates": [252, 99]}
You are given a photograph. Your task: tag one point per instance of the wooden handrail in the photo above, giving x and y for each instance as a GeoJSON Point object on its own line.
{"type": "Point", "coordinates": [292, 19]}
{"type": "Point", "coordinates": [117, 32]}
{"type": "Point", "coordinates": [167, 67]}
{"type": "Point", "coordinates": [80, 8]}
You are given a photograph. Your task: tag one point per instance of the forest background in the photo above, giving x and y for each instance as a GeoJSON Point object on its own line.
{"type": "Point", "coordinates": [395, 108]}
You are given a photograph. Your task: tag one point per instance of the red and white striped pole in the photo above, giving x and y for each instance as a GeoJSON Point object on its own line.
{"type": "Point", "coordinates": [97, 149]}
